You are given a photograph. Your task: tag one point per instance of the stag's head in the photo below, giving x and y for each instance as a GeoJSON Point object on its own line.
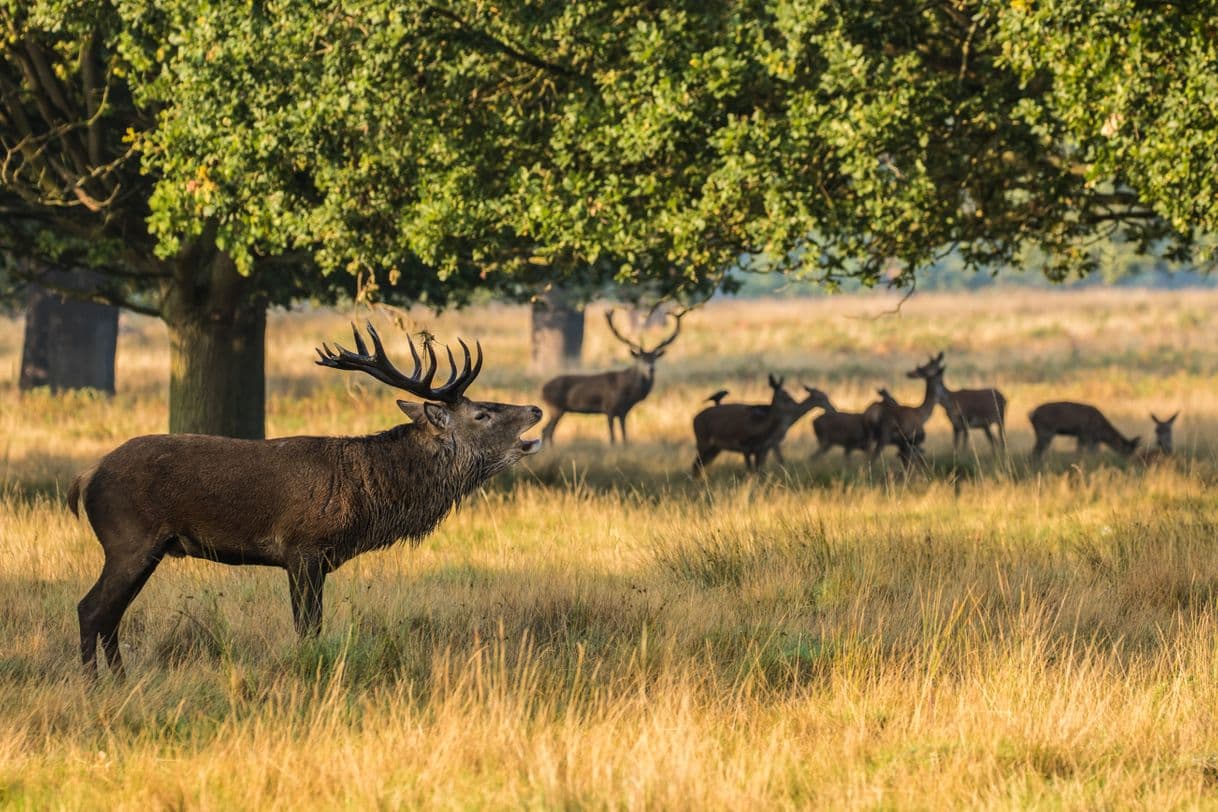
{"type": "Point", "coordinates": [644, 356]}
{"type": "Point", "coordinates": [1163, 432]}
{"type": "Point", "coordinates": [490, 433]}
{"type": "Point", "coordinates": [932, 370]}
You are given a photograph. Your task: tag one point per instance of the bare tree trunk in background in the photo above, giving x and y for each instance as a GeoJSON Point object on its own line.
{"type": "Point", "coordinates": [69, 344]}
{"type": "Point", "coordinates": [558, 332]}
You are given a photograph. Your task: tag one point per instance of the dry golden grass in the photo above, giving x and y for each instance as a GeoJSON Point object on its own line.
{"type": "Point", "coordinates": [597, 630]}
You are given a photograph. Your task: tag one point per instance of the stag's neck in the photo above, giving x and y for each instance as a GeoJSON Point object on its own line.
{"type": "Point", "coordinates": [642, 377]}
{"type": "Point", "coordinates": [405, 482]}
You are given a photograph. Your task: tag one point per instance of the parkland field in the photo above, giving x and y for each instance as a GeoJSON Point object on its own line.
{"type": "Point", "coordinates": [597, 629]}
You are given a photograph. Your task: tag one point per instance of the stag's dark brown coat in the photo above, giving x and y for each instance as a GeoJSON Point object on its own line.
{"type": "Point", "coordinates": [307, 504]}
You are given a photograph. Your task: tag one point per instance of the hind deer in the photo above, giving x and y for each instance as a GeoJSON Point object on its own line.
{"type": "Point", "coordinates": [753, 430]}
{"type": "Point", "coordinates": [1080, 420]}
{"type": "Point", "coordinates": [612, 394]}
{"type": "Point", "coordinates": [904, 426]}
{"type": "Point", "coordinates": [850, 430]}
{"type": "Point", "coordinates": [306, 504]}
{"type": "Point", "coordinates": [1163, 440]}
{"type": "Point", "coordinates": [973, 409]}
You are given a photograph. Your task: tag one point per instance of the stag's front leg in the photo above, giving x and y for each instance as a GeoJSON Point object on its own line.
{"type": "Point", "coordinates": [622, 422]}
{"type": "Point", "coordinates": [306, 581]}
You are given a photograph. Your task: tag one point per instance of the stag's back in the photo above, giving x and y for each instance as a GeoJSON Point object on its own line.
{"type": "Point", "coordinates": [595, 393]}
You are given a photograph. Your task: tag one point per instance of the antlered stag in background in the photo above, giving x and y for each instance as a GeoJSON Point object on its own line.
{"type": "Point", "coordinates": [974, 409]}
{"type": "Point", "coordinates": [1079, 420]}
{"type": "Point", "coordinates": [751, 429]}
{"type": "Point", "coordinates": [904, 426]}
{"type": "Point", "coordinates": [306, 504]}
{"type": "Point", "coordinates": [612, 394]}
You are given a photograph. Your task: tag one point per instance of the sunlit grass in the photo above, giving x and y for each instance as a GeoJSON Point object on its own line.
{"type": "Point", "coordinates": [597, 629]}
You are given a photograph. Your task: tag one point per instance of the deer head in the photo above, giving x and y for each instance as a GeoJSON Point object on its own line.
{"type": "Point", "coordinates": [1163, 429]}
{"type": "Point", "coordinates": [933, 368]}
{"type": "Point", "coordinates": [647, 357]}
{"type": "Point", "coordinates": [490, 432]}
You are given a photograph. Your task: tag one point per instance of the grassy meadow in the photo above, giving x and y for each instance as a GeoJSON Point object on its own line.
{"type": "Point", "coordinates": [595, 629]}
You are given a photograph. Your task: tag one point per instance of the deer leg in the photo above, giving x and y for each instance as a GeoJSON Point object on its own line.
{"type": "Point", "coordinates": [778, 455]}
{"type": "Point", "coordinates": [1042, 444]}
{"type": "Point", "coordinates": [705, 456]}
{"type": "Point", "coordinates": [612, 436]}
{"type": "Point", "coordinates": [823, 449]}
{"type": "Point", "coordinates": [547, 432]}
{"type": "Point", "coordinates": [306, 581]}
{"type": "Point", "coordinates": [989, 435]}
{"type": "Point", "coordinates": [622, 422]}
{"type": "Point", "coordinates": [101, 610]}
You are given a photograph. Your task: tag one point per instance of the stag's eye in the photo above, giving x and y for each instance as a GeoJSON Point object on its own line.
{"type": "Point", "coordinates": [482, 416]}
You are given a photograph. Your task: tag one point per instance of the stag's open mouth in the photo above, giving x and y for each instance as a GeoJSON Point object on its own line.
{"type": "Point", "coordinates": [529, 446]}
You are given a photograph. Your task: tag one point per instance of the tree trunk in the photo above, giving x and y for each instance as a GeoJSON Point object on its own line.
{"type": "Point", "coordinates": [68, 344]}
{"type": "Point", "coordinates": [558, 332]}
{"type": "Point", "coordinates": [217, 350]}
{"type": "Point", "coordinates": [217, 382]}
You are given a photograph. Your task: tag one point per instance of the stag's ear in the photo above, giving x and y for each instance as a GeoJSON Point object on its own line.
{"type": "Point", "coordinates": [412, 410]}
{"type": "Point", "coordinates": [635, 354]}
{"type": "Point", "coordinates": [438, 416]}
{"type": "Point", "coordinates": [658, 354]}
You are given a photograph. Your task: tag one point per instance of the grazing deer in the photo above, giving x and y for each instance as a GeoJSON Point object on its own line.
{"type": "Point", "coordinates": [904, 426]}
{"type": "Point", "coordinates": [306, 504]}
{"type": "Point", "coordinates": [753, 430]}
{"type": "Point", "coordinates": [612, 394]}
{"type": "Point", "coordinates": [973, 409]}
{"type": "Point", "coordinates": [1079, 420]}
{"type": "Point", "coordinates": [850, 430]}
{"type": "Point", "coordinates": [1163, 439]}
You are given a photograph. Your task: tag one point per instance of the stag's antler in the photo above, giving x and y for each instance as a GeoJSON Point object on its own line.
{"type": "Point", "coordinates": [639, 348]}
{"type": "Point", "coordinates": [676, 331]}
{"type": "Point", "coordinates": [609, 318]}
{"type": "Point", "coordinates": [380, 367]}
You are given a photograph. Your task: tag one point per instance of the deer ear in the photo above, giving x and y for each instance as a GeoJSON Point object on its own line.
{"type": "Point", "coordinates": [412, 410]}
{"type": "Point", "coordinates": [437, 415]}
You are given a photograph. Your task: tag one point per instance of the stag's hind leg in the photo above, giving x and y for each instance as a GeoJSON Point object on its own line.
{"type": "Point", "coordinates": [101, 610]}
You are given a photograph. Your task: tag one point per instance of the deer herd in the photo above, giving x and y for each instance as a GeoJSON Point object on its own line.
{"type": "Point", "coordinates": [309, 504]}
{"type": "Point", "coordinates": [756, 430]}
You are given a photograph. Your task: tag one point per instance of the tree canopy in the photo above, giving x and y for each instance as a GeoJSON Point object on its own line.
{"type": "Point", "coordinates": [215, 157]}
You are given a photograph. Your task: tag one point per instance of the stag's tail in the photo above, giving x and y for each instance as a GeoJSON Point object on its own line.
{"type": "Point", "coordinates": [78, 488]}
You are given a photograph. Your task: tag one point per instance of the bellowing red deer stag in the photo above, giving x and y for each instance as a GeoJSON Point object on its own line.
{"type": "Point", "coordinates": [904, 426]}
{"type": "Point", "coordinates": [306, 504]}
{"type": "Point", "coordinates": [1080, 420]}
{"type": "Point", "coordinates": [974, 409]}
{"type": "Point", "coordinates": [612, 394]}
{"type": "Point", "coordinates": [751, 429]}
